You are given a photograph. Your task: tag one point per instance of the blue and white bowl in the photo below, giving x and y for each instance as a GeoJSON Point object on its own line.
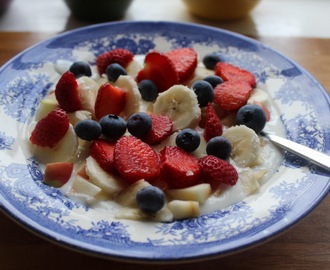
{"type": "Point", "coordinates": [294, 191]}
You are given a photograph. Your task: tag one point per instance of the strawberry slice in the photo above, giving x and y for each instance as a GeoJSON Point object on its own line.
{"type": "Point", "coordinates": [179, 169]}
{"type": "Point", "coordinates": [66, 93]}
{"type": "Point", "coordinates": [50, 129]}
{"type": "Point", "coordinates": [102, 151]}
{"type": "Point", "coordinates": [109, 100]}
{"type": "Point", "coordinates": [120, 56]}
{"type": "Point", "coordinates": [159, 69]}
{"type": "Point", "coordinates": [161, 128]}
{"type": "Point", "coordinates": [213, 126]}
{"type": "Point", "coordinates": [229, 72]}
{"type": "Point", "coordinates": [218, 171]}
{"type": "Point", "coordinates": [185, 62]}
{"type": "Point", "coordinates": [135, 160]}
{"type": "Point", "coordinates": [231, 95]}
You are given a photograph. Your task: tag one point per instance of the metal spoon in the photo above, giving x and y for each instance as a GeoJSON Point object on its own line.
{"type": "Point", "coordinates": [309, 154]}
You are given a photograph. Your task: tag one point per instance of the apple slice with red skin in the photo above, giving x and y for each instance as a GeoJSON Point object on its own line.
{"type": "Point", "coordinates": [57, 173]}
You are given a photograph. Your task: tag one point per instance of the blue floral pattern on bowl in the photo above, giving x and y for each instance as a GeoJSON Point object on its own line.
{"type": "Point", "coordinates": [304, 109]}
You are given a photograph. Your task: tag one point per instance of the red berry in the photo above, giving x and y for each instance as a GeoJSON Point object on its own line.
{"type": "Point", "coordinates": [229, 72]}
{"type": "Point", "coordinates": [119, 56]}
{"type": "Point", "coordinates": [67, 94]}
{"type": "Point", "coordinates": [102, 151]}
{"type": "Point", "coordinates": [213, 126]}
{"type": "Point", "coordinates": [179, 169]}
{"type": "Point", "coordinates": [185, 62]}
{"type": "Point", "coordinates": [232, 95]}
{"type": "Point", "coordinates": [218, 171]}
{"type": "Point", "coordinates": [135, 160]}
{"type": "Point", "coordinates": [159, 69]}
{"type": "Point", "coordinates": [109, 100]}
{"type": "Point", "coordinates": [50, 129]}
{"type": "Point", "coordinates": [161, 128]}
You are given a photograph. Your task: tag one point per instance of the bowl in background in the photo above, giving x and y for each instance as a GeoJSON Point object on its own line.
{"type": "Point", "coordinates": [221, 9]}
{"type": "Point", "coordinates": [4, 5]}
{"type": "Point", "coordinates": [98, 10]}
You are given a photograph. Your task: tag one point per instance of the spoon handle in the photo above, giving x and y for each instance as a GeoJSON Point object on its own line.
{"type": "Point", "coordinates": [309, 154]}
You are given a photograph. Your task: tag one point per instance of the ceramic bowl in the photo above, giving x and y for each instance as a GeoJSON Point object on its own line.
{"type": "Point", "coordinates": [98, 10]}
{"type": "Point", "coordinates": [221, 9]}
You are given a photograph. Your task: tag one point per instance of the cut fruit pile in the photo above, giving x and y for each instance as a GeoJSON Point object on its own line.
{"type": "Point", "coordinates": [156, 139]}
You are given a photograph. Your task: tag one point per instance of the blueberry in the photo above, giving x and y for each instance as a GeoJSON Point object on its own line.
{"type": "Point", "coordinates": [148, 90]}
{"type": "Point", "coordinates": [210, 60]}
{"type": "Point", "coordinates": [88, 129]}
{"type": "Point", "coordinates": [252, 116]}
{"type": "Point", "coordinates": [150, 199]}
{"type": "Point", "coordinates": [214, 80]}
{"type": "Point", "coordinates": [80, 69]}
{"type": "Point", "coordinates": [204, 92]}
{"type": "Point", "coordinates": [113, 126]}
{"type": "Point", "coordinates": [114, 71]}
{"type": "Point", "coordinates": [188, 139]}
{"type": "Point", "coordinates": [139, 124]}
{"type": "Point", "coordinates": [219, 146]}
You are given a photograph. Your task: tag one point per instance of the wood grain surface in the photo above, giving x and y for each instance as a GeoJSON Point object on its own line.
{"type": "Point", "coordinates": [305, 246]}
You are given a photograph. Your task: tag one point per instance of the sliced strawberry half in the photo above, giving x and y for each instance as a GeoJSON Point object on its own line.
{"type": "Point", "coordinates": [231, 95]}
{"type": "Point", "coordinates": [213, 125]}
{"type": "Point", "coordinates": [159, 69]}
{"type": "Point", "coordinates": [179, 169]}
{"type": "Point", "coordinates": [229, 72]}
{"type": "Point", "coordinates": [109, 100]}
{"type": "Point", "coordinates": [218, 171]}
{"type": "Point", "coordinates": [50, 129]}
{"type": "Point", "coordinates": [66, 93]}
{"type": "Point", "coordinates": [119, 56]}
{"type": "Point", "coordinates": [162, 127]}
{"type": "Point", "coordinates": [135, 160]}
{"type": "Point", "coordinates": [185, 62]}
{"type": "Point", "coordinates": [102, 151]}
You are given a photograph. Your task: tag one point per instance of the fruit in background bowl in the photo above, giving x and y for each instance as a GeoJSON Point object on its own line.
{"type": "Point", "coordinates": [221, 9]}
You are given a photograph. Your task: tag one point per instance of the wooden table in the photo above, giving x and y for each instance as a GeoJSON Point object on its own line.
{"type": "Point", "coordinates": [305, 246]}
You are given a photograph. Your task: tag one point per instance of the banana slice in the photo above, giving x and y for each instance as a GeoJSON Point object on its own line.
{"type": "Point", "coordinates": [87, 89]}
{"type": "Point", "coordinates": [260, 96]}
{"type": "Point", "coordinates": [133, 68]}
{"type": "Point", "coordinates": [245, 145]}
{"type": "Point", "coordinates": [133, 96]}
{"type": "Point", "coordinates": [163, 215]}
{"type": "Point", "coordinates": [200, 73]}
{"type": "Point", "coordinates": [102, 179]}
{"type": "Point", "coordinates": [180, 104]}
{"type": "Point", "coordinates": [250, 180]}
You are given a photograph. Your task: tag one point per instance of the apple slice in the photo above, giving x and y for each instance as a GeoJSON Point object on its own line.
{"type": "Point", "coordinates": [58, 173]}
{"type": "Point", "coordinates": [198, 193]}
{"type": "Point", "coordinates": [47, 105]}
{"type": "Point", "coordinates": [184, 209]}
